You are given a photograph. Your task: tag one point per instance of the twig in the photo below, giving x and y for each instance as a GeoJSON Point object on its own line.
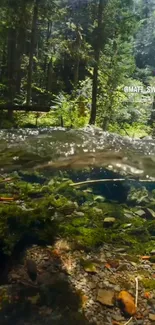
{"type": "Point", "coordinates": [136, 300]}
{"type": "Point", "coordinates": [110, 180]}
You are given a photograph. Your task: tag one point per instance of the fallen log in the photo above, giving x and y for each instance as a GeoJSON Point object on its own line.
{"type": "Point", "coordinates": [25, 108]}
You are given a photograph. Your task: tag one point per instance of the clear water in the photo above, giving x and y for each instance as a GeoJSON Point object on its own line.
{"type": "Point", "coordinates": [89, 147]}
{"type": "Point", "coordinates": [117, 164]}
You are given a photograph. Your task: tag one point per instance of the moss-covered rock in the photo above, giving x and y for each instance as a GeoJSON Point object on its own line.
{"type": "Point", "coordinates": [138, 196]}
{"type": "Point", "coordinates": [52, 208]}
{"type": "Point", "coordinates": [148, 284]}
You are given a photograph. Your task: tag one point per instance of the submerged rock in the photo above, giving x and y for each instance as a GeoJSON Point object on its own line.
{"type": "Point", "coordinates": [152, 317]}
{"type": "Point", "coordinates": [109, 221]}
{"type": "Point", "coordinates": [106, 297]}
{"type": "Point", "coordinates": [31, 269]}
{"type": "Point", "coordinates": [89, 266]}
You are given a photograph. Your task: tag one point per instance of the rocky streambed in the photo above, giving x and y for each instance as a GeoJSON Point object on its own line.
{"type": "Point", "coordinates": [89, 251]}
{"type": "Point", "coordinates": [75, 286]}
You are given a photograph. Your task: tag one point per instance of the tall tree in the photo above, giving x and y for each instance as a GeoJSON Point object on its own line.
{"type": "Point", "coordinates": [97, 50]}
{"type": "Point", "coordinates": [32, 48]}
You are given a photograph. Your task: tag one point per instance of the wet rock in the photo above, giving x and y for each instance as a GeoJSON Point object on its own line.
{"type": "Point", "coordinates": [79, 214]}
{"type": "Point", "coordinates": [95, 278]}
{"type": "Point", "coordinates": [109, 221]}
{"type": "Point", "coordinates": [98, 211]}
{"type": "Point", "coordinates": [14, 277]}
{"type": "Point", "coordinates": [89, 266]}
{"type": "Point", "coordinates": [150, 214]}
{"type": "Point", "coordinates": [122, 267]}
{"type": "Point", "coordinates": [117, 288]}
{"type": "Point", "coordinates": [31, 269]}
{"type": "Point", "coordinates": [121, 250]}
{"type": "Point", "coordinates": [92, 285]}
{"type": "Point", "coordinates": [139, 322]}
{"type": "Point", "coordinates": [152, 259]}
{"type": "Point", "coordinates": [141, 213]}
{"type": "Point", "coordinates": [128, 215]}
{"type": "Point", "coordinates": [48, 279]}
{"type": "Point", "coordinates": [117, 318]}
{"type": "Point", "coordinates": [106, 297]}
{"type": "Point", "coordinates": [152, 317]}
{"type": "Point", "coordinates": [63, 245]}
{"type": "Point", "coordinates": [113, 263]}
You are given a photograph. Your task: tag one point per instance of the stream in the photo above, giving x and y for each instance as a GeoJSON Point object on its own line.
{"type": "Point", "coordinates": [56, 148]}
{"type": "Point", "coordinates": [38, 171]}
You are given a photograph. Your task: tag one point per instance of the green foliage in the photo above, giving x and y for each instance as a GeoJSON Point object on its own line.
{"type": "Point", "coordinates": [42, 212]}
{"type": "Point", "coordinates": [63, 61]}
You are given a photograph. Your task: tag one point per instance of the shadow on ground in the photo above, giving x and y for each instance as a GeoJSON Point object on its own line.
{"type": "Point", "coordinates": [53, 302]}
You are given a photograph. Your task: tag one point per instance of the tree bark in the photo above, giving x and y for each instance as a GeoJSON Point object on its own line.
{"type": "Point", "coordinates": [49, 75]}
{"type": "Point", "coordinates": [32, 47]}
{"type": "Point", "coordinates": [11, 69]}
{"type": "Point", "coordinates": [25, 108]}
{"type": "Point", "coordinates": [97, 58]}
{"type": "Point", "coordinates": [77, 56]}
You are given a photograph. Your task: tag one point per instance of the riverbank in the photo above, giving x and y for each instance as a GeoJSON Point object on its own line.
{"type": "Point", "coordinates": [51, 119]}
{"type": "Point", "coordinates": [76, 286]}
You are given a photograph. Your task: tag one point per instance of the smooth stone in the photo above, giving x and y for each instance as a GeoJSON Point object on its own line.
{"type": "Point", "coordinates": [128, 215]}
{"type": "Point", "coordinates": [106, 297]}
{"type": "Point", "coordinates": [152, 317]}
{"type": "Point", "coordinates": [149, 213]}
{"type": "Point", "coordinates": [139, 322]}
{"type": "Point", "coordinates": [140, 213]}
{"type": "Point", "coordinates": [118, 318]}
{"type": "Point", "coordinates": [95, 278]}
{"type": "Point", "coordinates": [79, 214]}
{"type": "Point", "coordinates": [98, 211]}
{"type": "Point", "coordinates": [120, 250]}
{"type": "Point", "coordinates": [109, 221]}
{"type": "Point", "coordinates": [117, 288]}
{"type": "Point", "coordinates": [92, 285]}
{"type": "Point", "coordinates": [122, 267]}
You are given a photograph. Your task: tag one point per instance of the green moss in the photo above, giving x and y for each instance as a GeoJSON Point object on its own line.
{"type": "Point", "coordinates": [78, 222]}
{"type": "Point", "coordinates": [148, 283]}
{"type": "Point", "coordinates": [43, 209]}
{"type": "Point", "coordinates": [151, 227]}
{"type": "Point", "coordinates": [91, 237]}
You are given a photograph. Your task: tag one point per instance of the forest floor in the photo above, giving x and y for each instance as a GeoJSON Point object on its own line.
{"type": "Point", "coordinates": [79, 287]}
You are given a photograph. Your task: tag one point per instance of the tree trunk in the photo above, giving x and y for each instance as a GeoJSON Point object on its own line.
{"type": "Point", "coordinates": [32, 47]}
{"type": "Point", "coordinates": [76, 72]}
{"type": "Point", "coordinates": [11, 65]}
{"type": "Point", "coordinates": [21, 37]}
{"type": "Point", "coordinates": [48, 35]}
{"type": "Point", "coordinates": [20, 51]}
{"type": "Point", "coordinates": [49, 76]}
{"type": "Point", "coordinates": [3, 63]}
{"type": "Point", "coordinates": [77, 56]}
{"type": "Point", "coordinates": [97, 58]}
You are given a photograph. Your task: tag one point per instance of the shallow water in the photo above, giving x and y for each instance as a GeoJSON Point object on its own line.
{"type": "Point", "coordinates": [37, 168]}
{"type": "Point", "coordinates": [62, 148]}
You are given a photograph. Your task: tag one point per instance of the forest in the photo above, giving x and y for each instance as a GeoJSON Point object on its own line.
{"type": "Point", "coordinates": [77, 162]}
{"type": "Point", "coordinates": [67, 63]}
